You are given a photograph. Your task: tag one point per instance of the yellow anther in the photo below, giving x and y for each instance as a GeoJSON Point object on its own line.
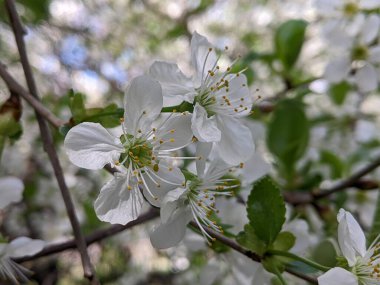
{"type": "Point", "coordinates": [129, 187]}
{"type": "Point", "coordinates": [209, 49]}
{"type": "Point", "coordinates": [121, 120]}
{"type": "Point", "coordinates": [171, 140]}
{"type": "Point", "coordinates": [161, 141]}
{"type": "Point", "coordinates": [172, 131]}
{"type": "Point", "coordinates": [144, 112]}
{"type": "Point", "coordinates": [154, 129]}
{"type": "Point", "coordinates": [117, 162]}
{"type": "Point", "coordinates": [241, 165]}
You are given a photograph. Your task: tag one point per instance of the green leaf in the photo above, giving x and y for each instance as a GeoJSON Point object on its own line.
{"type": "Point", "coordinates": [39, 9]}
{"type": "Point", "coordinates": [76, 105]}
{"type": "Point", "coordinates": [250, 241]}
{"type": "Point", "coordinates": [289, 39]}
{"type": "Point", "coordinates": [288, 134]}
{"type": "Point", "coordinates": [375, 230]}
{"type": "Point", "coordinates": [284, 241]}
{"type": "Point", "coordinates": [324, 253]}
{"type": "Point", "coordinates": [338, 92]}
{"type": "Point", "coordinates": [337, 166]}
{"type": "Point", "coordinates": [109, 116]}
{"type": "Point", "coordinates": [266, 210]}
{"type": "Point", "coordinates": [273, 264]}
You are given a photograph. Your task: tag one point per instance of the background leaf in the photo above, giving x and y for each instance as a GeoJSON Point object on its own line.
{"type": "Point", "coordinates": [289, 39]}
{"type": "Point", "coordinates": [288, 134]}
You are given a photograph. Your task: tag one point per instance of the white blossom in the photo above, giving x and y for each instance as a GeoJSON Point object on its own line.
{"type": "Point", "coordinates": [21, 246]}
{"type": "Point", "coordinates": [219, 98]}
{"type": "Point", "coordinates": [141, 153]}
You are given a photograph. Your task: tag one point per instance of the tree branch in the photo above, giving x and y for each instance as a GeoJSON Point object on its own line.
{"type": "Point", "coordinates": [47, 140]}
{"type": "Point", "coordinates": [91, 238]}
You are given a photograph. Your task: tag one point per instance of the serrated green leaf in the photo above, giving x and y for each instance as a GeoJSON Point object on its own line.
{"type": "Point", "coordinates": [338, 92]}
{"type": "Point", "coordinates": [289, 39]}
{"type": "Point", "coordinates": [266, 210]}
{"type": "Point", "coordinates": [288, 134]}
{"type": "Point", "coordinates": [250, 241]}
{"type": "Point", "coordinates": [284, 241]}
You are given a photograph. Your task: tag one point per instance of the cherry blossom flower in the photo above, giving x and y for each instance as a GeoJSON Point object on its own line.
{"type": "Point", "coordinates": [219, 98]}
{"type": "Point", "coordinates": [141, 153]}
{"type": "Point", "coordinates": [195, 202]}
{"type": "Point", "coordinates": [21, 246]}
{"type": "Point", "coordinates": [363, 264]}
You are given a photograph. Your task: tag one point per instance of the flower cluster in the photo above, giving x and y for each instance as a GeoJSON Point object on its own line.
{"type": "Point", "coordinates": [145, 150]}
{"type": "Point", "coordinates": [352, 28]}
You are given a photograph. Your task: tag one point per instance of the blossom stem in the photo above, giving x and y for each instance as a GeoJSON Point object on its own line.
{"type": "Point", "coordinates": [299, 258]}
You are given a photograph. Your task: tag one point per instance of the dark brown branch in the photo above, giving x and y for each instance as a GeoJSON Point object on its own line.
{"type": "Point", "coordinates": [48, 143]}
{"type": "Point", "coordinates": [16, 88]}
{"type": "Point", "coordinates": [91, 238]}
{"type": "Point", "coordinates": [232, 244]}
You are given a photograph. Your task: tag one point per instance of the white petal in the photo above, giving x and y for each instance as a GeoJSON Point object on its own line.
{"type": "Point", "coordinates": [202, 59]}
{"type": "Point", "coordinates": [116, 204]}
{"type": "Point", "coordinates": [366, 78]}
{"type": "Point", "coordinates": [159, 182]}
{"type": "Point", "coordinates": [176, 133]}
{"type": "Point", "coordinates": [374, 54]}
{"type": "Point", "coordinates": [351, 237]}
{"type": "Point", "coordinates": [204, 128]}
{"type": "Point", "coordinates": [370, 29]}
{"type": "Point", "coordinates": [171, 233]}
{"type": "Point", "coordinates": [337, 276]}
{"type": "Point", "coordinates": [254, 168]}
{"type": "Point", "coordinates": [91, 146]}
{"type": "Point", "coordinates": [337, 70]}
{"type": "Point", "coordinates": [11, 189]}
{"type": "Point", "coordinates": [171, 203]}
{"type": "Point", "coordinates": [202, 151]}
{"type": "Point", "coordinates": [369, 4]}
{"type": "Point", "coordinates": [24, 246]}
{"type": "Point", "coordinates": [143, 104]}
{"type": "Point", "coordinates": [232, 148]}
{"type": "Point", "coordinates": [174, 83]}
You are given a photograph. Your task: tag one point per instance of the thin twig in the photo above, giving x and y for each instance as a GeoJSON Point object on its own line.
{"type": "Point", "coordinates": [350, 180]}
{"type": "Point", "coordinates": [251, 255]}
{"type": "Point", "coordinates": [91, 238]}
{"type": "Point", "coordinates": [48, 143]}
{"type": "Point", "coordinates": [15, 87]}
